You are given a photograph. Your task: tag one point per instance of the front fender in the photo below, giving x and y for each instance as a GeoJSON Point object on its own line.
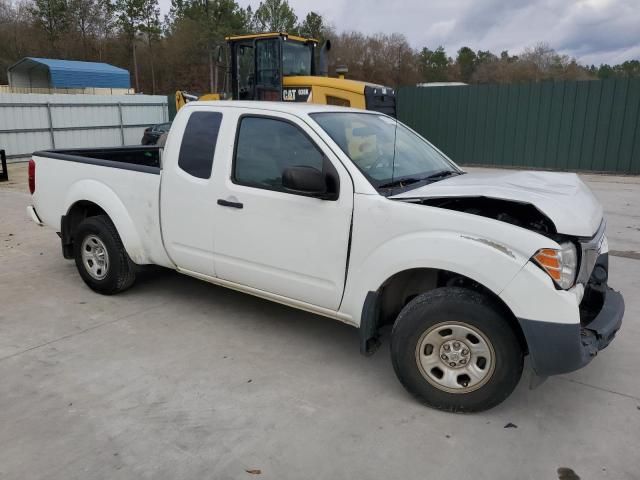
{"type": "Point", "coordinates": [107, 199]}
{"type": "Point", "coordinates": [391, 236]}
{"type": "Point", "coordinates": [491, 264]}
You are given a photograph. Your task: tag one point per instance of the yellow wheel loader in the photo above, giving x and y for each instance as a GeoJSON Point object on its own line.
{"type": "Point", "coordinates": [282, 67]}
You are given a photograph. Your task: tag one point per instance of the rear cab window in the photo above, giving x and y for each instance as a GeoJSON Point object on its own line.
{"type": "Point", "coordinates": [199, 144]}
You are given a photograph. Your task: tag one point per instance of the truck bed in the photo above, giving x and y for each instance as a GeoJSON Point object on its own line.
{"type": "Point", "coordinates": [138, 158]}
{"type": "Point", "coordinates": [124, 181]}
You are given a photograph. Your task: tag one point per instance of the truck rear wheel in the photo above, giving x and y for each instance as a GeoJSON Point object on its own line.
{"type": "Point", "coordinates": [100, 256]}
{"type": "Point", "coordinates": [454, 350]}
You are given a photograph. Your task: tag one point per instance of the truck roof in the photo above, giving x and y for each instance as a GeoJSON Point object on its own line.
{"type": "Point", "coordinates": [295, 108]}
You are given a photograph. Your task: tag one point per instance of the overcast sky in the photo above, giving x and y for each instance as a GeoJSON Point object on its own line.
{"type": "Point", "coordinates": [593, 31]}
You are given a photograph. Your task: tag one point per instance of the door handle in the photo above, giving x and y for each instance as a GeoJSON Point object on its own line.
{"type": "Point", "coordinates": [227, 203]}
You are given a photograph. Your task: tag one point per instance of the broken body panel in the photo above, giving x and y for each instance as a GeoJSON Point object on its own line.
{"type": "Point", "coordinates": [559, 196]}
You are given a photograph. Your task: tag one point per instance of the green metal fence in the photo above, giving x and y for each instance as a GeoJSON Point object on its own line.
{"type": "Point", "coordinates": [576, 126]}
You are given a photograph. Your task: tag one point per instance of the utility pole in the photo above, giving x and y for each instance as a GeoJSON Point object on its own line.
{"type": "Point", "coordinates": [135, 65]}
{"type": "Point", "coordinates": [216, 76]}
{"type": "Point", "coordinates": [210, 69]}
{"type": "Point", "coordinates": [209, 49]}
{"type": "Point", "coordinates": [399, 65]}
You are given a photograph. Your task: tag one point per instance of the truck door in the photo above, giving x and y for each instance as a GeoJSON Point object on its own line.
{"type": "Point", "coordinates": [268, 58]}
{"type": "Point", "coordinates": [186, 198]}
{"type": "Point", "coordinates": [275, 240]}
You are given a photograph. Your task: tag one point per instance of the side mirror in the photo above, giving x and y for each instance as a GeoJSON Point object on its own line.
{"type": "Point", "coordinates": [305, 181]}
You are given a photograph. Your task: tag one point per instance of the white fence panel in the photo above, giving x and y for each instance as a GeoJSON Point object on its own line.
{"type": "Point", "coordinates": [89, 138]}
{"type": "Point", "coordinates": [31, 122]}
{"type": "Point", "coordinates": [132, 136]}
{"type": "Point", "coordinates": [64, 116]}
{"type": "Point", "coordinates": [138, 114]}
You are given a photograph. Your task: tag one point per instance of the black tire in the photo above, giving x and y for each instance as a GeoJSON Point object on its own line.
{"type": "Point", "coordinates": [426, 313]}
{"type": "Point", "coordinates": [120, 273]}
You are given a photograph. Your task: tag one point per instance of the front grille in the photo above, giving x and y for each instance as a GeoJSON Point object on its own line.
{"type": "Point", "coordinates": [595, 290]}
{"type": "Point", "coordinates": [590, 251]}
{"type": "Point", "coordinates": [592, 302]}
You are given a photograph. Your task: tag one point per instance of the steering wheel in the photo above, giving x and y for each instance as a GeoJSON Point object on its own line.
{"type": "Point", "coordinates": [381, 164]}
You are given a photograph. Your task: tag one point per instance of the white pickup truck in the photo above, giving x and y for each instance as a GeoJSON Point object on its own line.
{"type": "Point", "coordinates": [351, 215]}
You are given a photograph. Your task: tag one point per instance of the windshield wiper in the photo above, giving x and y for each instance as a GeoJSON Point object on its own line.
{"type": "Point", "coordinates": [441, 174]}
{"type": "Point", "coordinates": [401, 182]}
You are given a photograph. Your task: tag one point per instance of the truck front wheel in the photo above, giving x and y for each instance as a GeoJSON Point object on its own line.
{"type": "Point", "coordinates": [100, 256]}
{"type": "Point", "coordinates": [454, 350]}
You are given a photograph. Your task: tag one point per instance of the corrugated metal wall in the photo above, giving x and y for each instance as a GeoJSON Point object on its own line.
{"type": "Point", "coordinates": [581, 126]}
{"type": "Point", "coordinates": [30, 122]}
{"type": "Point", "coordinates": [74, 91]}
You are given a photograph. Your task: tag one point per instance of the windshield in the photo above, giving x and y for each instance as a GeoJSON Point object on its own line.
{"type": "Point", "coordinates": [388, 153]}
{"type": "Point", "coordinates": [296, 58]}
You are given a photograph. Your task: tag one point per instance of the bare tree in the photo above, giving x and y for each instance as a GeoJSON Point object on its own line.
{"type": "Point", "coordinates": [130, 15]}
{"type": "Point", "coordinates": [151, 27]}
{"type": "Point", "coordinates": [275, 16]}
{"type": "Point", "coordinates": [86, 17]}
{"type": "Point", "coordinates": [51, 16]}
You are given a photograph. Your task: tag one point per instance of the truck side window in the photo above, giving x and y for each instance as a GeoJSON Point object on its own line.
{"type": "Point", "coordinates": [199, 143]}
{"type": "Point", "coordinates": [266, 147]}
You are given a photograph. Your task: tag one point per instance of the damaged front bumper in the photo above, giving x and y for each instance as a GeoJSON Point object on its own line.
{"type": "Point", "coordinates": [556, 348]}
{"type": "Point", "coordinates": [601, 330]}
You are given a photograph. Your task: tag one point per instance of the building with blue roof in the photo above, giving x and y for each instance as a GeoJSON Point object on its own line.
{"type": "Point", "coordinates": [31, 72]}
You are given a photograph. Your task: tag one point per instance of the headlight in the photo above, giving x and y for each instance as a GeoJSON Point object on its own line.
{"type": "Point", "coordinates": [561, 265]}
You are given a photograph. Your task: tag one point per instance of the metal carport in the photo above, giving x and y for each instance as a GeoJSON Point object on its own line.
{"type": "Point", "coordinates": [32, 72]}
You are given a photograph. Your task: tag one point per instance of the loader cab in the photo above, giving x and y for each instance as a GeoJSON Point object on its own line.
{"type": "Point", "coordinates": [259, 63]}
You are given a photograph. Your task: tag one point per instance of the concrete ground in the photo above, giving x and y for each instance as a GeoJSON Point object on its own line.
{"type": "Point", "coordinates": [179, 379]}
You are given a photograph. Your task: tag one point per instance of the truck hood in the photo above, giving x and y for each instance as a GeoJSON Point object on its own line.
{"type": "Point", "coordinates": [562, 197]}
